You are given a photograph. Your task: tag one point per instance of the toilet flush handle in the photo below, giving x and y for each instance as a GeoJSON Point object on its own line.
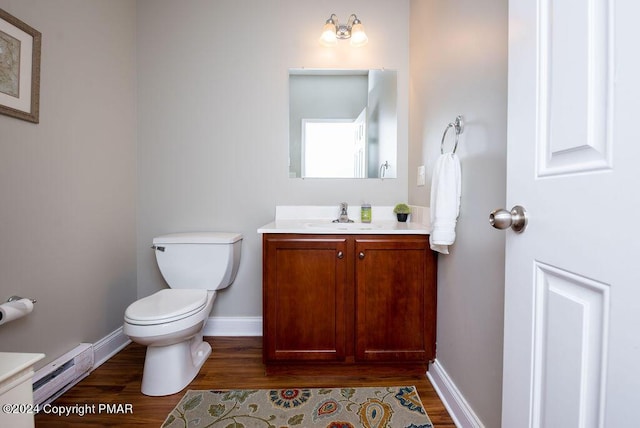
{"type": "Point", "coordinates": [156, 247]}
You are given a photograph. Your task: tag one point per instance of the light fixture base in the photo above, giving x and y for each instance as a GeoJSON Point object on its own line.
{"type": "Point", "coordinates": [343, 32]}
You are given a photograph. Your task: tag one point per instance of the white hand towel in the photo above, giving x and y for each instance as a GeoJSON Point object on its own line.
{"type": "Point", "coordinates": [445, 202]}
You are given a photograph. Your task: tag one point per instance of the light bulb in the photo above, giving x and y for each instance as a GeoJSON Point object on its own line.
{"type": "Point", "coordinates": [328, 37]}
{"type": "Point", "coordinates": [358, 36]}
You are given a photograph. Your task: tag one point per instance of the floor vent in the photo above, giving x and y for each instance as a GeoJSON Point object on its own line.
{"type": "Point", "coordinates": [54, 379]}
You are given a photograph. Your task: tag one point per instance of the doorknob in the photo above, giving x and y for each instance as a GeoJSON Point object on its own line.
{"type": "Point", "coordinates": [516, 219]}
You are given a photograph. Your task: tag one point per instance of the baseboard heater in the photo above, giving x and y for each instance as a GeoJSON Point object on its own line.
{"type": "Point", "coordinates": [57, 377]}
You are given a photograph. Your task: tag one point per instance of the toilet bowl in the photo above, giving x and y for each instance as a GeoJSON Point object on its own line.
{"type": "Point", "coordinates": [170, 322]}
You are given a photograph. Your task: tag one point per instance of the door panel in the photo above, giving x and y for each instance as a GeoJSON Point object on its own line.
{"type": "Point", "coordinates": [305, 299]}
{"type": "Point", "coordinates": [571, 314]}
{"type": "Point", "coordinates": [395, 299]}
{"type": "Point", "coordinates": [574, 86]}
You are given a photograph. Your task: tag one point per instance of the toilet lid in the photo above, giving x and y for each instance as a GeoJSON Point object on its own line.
{"type": "Point", "coordinates": [166, 305]}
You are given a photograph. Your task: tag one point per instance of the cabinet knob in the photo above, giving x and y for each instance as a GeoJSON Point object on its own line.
{"type": "Point", "coordinates": [340, 255]}
{"type": "Point", "coordinates": [361, 255]}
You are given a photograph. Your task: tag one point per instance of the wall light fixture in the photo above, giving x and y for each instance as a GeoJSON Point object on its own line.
{"type": "Point", "coordinates": [353, 29]}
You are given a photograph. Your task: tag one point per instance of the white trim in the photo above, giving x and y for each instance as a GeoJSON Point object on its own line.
{"type": "Point", "coordinates": [109, 346]}
{"type": "Point", "coordinates": [459, 410]}
{"type": "Point", "coordinates": [115, 341]}
{"type": "Point", "coordinates": [233, 326]}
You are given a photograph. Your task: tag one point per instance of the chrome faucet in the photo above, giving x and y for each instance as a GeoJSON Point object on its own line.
{"type": "Point", "coordinates": [344, 216]}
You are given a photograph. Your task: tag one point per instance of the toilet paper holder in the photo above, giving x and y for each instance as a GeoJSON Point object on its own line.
{"type": "Point", "coordinates": [14, 298]}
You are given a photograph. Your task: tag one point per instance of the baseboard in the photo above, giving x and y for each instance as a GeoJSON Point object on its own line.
{"type": "Point", "coordinates": [461, 413]}
{"type": "Point", "coordinates": [233, 326]}
{"type": "Point", "coordinates": [109, 346]}
{"type": "Point", "coordinates": [114, 342]}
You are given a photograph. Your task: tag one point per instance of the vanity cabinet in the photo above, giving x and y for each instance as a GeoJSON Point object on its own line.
{"type": "Point", "coordinates": [348, 298]}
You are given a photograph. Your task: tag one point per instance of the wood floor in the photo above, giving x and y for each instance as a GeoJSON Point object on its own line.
{"type": "Point", "coordinates": [236, 363]}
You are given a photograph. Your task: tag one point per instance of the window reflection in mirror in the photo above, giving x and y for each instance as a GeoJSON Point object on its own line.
{"type": "Point", "coordinates": [342, 123]}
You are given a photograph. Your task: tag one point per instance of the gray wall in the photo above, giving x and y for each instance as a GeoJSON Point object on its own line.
{"type": "Point", "coordinates": [458, 60]}
{"type": "Point", "coordinates": [68, 184]}
{"type": "Point", "coordinates": [213, 120]}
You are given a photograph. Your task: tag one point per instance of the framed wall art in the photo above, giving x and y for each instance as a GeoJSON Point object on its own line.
{"type": "Point", "coordinates": [19, 69]}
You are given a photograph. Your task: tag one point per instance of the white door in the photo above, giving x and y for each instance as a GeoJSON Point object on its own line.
{"type": "Point", "coordinates": [572, 292]}
{"type": "Point", "coordinates": [360, 160]}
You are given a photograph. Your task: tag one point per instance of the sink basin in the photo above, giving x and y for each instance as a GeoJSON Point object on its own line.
{"type": "Point", "coordinates": [344, 226]}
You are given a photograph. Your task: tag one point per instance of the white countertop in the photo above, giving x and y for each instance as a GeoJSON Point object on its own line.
{"type": "Point", "coordinates": [318, 220]}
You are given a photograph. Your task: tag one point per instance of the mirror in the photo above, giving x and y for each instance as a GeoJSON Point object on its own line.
{"type": "Point", "coordinates": [342, 123]}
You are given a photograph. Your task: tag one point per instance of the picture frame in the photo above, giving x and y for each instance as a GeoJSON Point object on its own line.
{"type": "Point", "coordinates": [20, 46]}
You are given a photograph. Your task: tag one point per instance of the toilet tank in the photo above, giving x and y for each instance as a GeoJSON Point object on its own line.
{"type": "Point", "coordinates": [198, 260]}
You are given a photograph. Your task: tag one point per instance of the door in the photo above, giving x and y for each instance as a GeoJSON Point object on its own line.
{"type": "Point", "coordinates": [304, 298]}
{"type": "Point", "coordinates": [572, 292]}
{"type": "Point", "coordinates": [360, 155]}
{"type": "Point", "coordinates": [395, 298]}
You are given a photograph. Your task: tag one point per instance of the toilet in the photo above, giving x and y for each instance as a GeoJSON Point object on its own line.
{"type": "Point", "coordinates": [170, 322]}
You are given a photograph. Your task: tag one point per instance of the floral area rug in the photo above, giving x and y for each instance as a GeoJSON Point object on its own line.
{"type": "Point", "coordinates": [392, 407]}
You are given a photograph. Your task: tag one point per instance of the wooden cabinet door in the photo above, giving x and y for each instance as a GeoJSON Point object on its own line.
{"type": "Point", "coordinates": [304, 297]}
{"type": "Point", "coordinates": [395, 299]}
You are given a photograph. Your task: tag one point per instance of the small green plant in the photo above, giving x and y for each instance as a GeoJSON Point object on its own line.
{"type": "Point", "coordinates": [402, 209]}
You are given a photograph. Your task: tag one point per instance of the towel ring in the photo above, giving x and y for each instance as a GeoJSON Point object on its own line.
{"type": "Point", "coordinates": [458, 125]}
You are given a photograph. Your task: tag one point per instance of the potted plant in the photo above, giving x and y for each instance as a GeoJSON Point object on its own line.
{"type": "Point", "coordinates": [402, 211]}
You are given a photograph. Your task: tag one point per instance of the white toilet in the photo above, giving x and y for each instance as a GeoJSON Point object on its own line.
{"type": "Point", "coordinates": [170, 322]}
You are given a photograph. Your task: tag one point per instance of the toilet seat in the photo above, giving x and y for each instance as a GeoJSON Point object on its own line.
{"type": "Point", "coordinates": [166, 306]}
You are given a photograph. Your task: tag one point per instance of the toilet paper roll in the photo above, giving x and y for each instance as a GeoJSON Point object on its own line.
{"type": "Point", "coordinates": [10, 311]}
